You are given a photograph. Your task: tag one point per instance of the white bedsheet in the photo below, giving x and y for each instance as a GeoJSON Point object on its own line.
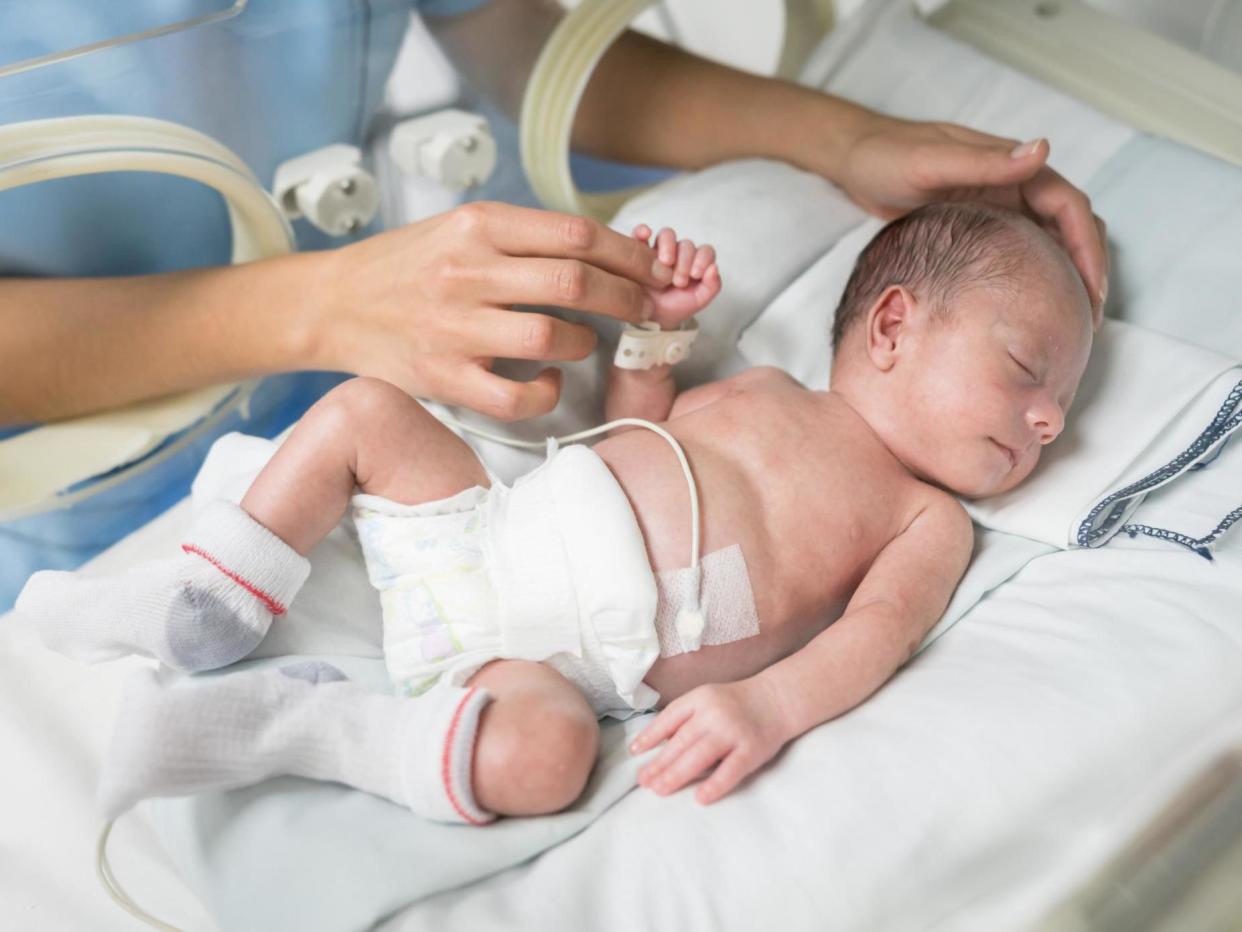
{"type": "Point", "coordinates": [942, 800]}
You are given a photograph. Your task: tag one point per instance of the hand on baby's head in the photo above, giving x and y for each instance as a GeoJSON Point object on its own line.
{"type": "Point", "coordinates": [696, 279]}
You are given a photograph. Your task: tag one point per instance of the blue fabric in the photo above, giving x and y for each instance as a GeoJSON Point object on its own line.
{"type": "Point", "coordinates": [282, 78]}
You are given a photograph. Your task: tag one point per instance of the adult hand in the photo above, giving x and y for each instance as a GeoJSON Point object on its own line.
{"type": "Point", "coordinates": [429, 307]}
{"type": "Point", "coordinates": [893, 166]}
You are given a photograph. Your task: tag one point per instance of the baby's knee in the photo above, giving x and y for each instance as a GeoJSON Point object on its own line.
{"type": "Point", "coordinates": [535, 754]}
{"type": "Point", "coordinates": [365, 398]}
{"type": "Point", "coordinates": [361, 400]}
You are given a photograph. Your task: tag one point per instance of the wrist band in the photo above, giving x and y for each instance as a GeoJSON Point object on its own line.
{"type": "Point", "coordinates": [646, 345]}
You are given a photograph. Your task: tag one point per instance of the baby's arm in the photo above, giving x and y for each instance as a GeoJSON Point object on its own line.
{"type": "Point", "coordinates": [650, 393]}
{"type": "Point", "coordinates": [742, 725]}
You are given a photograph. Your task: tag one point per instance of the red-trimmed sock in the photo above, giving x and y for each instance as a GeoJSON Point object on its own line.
{"type": "Point", "coordinates": [204, 609]}
{"type": "Point", "coordinates": [306, 720]}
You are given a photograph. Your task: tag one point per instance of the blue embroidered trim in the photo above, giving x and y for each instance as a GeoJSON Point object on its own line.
{"type": "Point", "coordinates": [1199, 545]}
{"type": "Point", "coordinates": [1204, 464]}
{"type": "Point", "coordinates": [1100, 524]}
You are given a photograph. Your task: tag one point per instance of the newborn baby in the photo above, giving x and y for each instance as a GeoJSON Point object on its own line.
{"type": "Point", "coordinates": [518, 615]}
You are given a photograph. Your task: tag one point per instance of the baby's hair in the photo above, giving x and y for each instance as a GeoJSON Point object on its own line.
{"type": "Point", "coordinates": [935, 252]}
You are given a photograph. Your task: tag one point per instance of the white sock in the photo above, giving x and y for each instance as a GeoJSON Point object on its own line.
{"type": "Point", "coordinates": [304, 720]}
{"type": "Point", "coordinates": [204, 609]}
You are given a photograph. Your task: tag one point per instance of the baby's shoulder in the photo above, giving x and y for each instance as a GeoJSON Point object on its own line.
{"type": "Point", "coordinates": [935, 506]}
{"type": "Point", "coordinates": [766, 377]}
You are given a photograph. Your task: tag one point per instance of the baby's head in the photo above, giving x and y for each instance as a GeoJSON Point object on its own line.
{"type": "Point", "coordinates": [961, 338]}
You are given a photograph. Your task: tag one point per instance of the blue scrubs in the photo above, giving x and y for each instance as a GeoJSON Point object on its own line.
{"type": "Point", "coordinates": [282, 78]}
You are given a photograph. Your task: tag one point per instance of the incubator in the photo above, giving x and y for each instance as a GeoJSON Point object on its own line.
{"type": "Point", "coordinates": [1045, 38]}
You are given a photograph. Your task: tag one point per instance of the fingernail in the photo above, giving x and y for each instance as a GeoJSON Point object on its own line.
{"type": "Point", "coordinates": [661, 272]}
{"type": "Point", "coordinates": [1025, 149]}
{"type": "Point", "coordinates": [1103, 291]}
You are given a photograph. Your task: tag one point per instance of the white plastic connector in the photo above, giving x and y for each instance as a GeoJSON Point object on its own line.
{"type": "Point", "coordinates": [453, 147]}
{"type": "Point", "coordinates": [330, 188]}
{"type": "Point", "coordinates": [646, 345]}
{"type": "Point", "coordinates": [691, 619]}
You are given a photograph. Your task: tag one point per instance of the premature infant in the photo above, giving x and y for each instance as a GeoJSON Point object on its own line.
{"type": "Point", "coordinates": [518, 615]}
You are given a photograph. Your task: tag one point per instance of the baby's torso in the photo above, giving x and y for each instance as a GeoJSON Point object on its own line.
{"type": "Point", "coordinates": [797, 480]}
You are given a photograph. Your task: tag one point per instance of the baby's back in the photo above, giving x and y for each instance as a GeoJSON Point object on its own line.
{"type": "Point", "coordinates": [797, 480]}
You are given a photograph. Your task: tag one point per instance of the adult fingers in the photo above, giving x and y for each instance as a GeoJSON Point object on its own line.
{"type": "Point", "coordinates": [1054, 200]}
{"type": "Point", "coordinates": [498, 333]}
{"type": "Point", "coordinates": [940, 165]}
{"type": "Point", "coordinates": [475, 387]}
{"type": "Point", "coordinates": [1102, 228]}
{"type": "Point", "coordinates": [568, 283]}
{"type": "Point", "coordinates": [527, 231]}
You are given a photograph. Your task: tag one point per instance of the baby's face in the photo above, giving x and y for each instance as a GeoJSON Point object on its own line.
{"type": "Point", "coordinates": [994, 383]}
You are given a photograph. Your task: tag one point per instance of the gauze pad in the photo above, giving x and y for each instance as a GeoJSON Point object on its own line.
{"type": "Point", "coordinates": [726, 598]}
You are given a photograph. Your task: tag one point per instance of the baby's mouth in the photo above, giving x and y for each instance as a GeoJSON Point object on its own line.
{"type": "Point", "coordinates": [1012, 454]}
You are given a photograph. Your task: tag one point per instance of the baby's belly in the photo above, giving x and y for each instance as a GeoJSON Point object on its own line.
{"type": "Point", "coordinates": [722, 663]}
{"type": "Point", "coordinates": [792, 607]}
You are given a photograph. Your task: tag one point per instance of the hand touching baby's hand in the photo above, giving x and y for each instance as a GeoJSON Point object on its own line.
{"type": "Point", "coordinates": [696, 279]}
{"type": "Point", "coordinates": [734, 727]}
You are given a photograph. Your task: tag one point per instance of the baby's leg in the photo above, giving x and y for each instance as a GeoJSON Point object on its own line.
{"type": "Point", "coordinates": [452, 755]}
{"type": "Point", "coordinates": [364, 434]}
{"type": "Point", "coordinates": [213, 604]}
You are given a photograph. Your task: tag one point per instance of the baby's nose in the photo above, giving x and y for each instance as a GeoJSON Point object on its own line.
{"type": "Point", "coordinates": [1047, 420]}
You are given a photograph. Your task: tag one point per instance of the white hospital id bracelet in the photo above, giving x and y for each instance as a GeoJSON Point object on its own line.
{"type": "Point", "coordinates": [646, 345]}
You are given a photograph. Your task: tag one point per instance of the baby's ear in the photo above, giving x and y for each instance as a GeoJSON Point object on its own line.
{"type": "Point", "coordinates": [887, 320]}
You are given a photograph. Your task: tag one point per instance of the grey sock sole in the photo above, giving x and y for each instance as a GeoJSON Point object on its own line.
{"type": "Point", "coordinates": [205, 633]}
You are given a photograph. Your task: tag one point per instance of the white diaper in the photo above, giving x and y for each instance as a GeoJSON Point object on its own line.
{"type": "Point", "coordinates": [553, 569]}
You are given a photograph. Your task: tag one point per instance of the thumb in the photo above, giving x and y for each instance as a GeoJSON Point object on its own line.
{"type": "Point", "coordinates": [953, 165]}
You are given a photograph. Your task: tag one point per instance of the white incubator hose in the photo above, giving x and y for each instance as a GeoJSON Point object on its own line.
{"type": "Point", "coordinates": [50, 466]}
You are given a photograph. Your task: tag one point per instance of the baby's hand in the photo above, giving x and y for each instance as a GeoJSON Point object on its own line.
{"type": "Point", "coordinates": [696, 279]}
{"type": "Point", "coordinates": [734, 724]}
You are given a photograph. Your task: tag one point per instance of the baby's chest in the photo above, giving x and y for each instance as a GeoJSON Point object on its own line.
{"type": "Point", "coordinates": [836, 512]}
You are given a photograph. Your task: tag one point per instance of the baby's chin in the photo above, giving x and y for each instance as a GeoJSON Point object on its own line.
{"type": "Point", "coordinates": [986, 482]}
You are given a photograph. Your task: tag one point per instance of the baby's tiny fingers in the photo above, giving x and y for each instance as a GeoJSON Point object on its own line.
{"type": "Point", "coordinates": [696, 759]}
{"type": "Point", "coordinates": [667, 722]}
{"type": "Point", "coordinates": [666, 247]}
{"type": "Point", "coordinates": [724, 780]}
{"type": "Point", "coordinates": [685, 256]}
{"type": "Point", "coordinates": [703, 260]}
{"type": "Point", "coordinates": [669, 754]}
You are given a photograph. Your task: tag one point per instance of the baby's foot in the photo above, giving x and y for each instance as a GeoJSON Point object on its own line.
{"type": "Point", "coordinates": [696, 278]}
{"type": "Point", "coordinates": [206, 608]}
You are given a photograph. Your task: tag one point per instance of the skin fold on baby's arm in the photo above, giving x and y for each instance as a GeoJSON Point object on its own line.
{"type": "Point", "coordinates": [737, 727]}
